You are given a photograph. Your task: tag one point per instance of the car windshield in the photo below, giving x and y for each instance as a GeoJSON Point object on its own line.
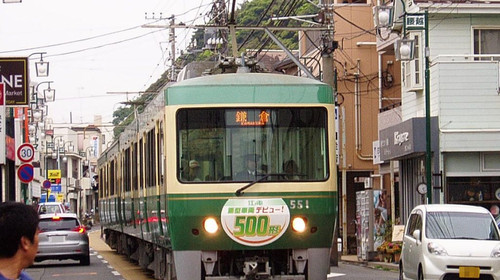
{"type": "Point", "coordinates": [248, 144]}
{"type": "Point", "coordinates": [460, 225]}
{"type": "Point", "coordinates": [57, 224]}
{"type": "Point", "coordinates": [49, 209]}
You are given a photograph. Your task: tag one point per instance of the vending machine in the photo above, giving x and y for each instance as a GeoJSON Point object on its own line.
{"type": "Point", "coordinates": [364, 224]}
{"type": "Point", "coordinates": [371, 222]}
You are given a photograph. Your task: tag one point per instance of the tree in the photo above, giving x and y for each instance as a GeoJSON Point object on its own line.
{"type": "Point", "coordinates": [260, 12]}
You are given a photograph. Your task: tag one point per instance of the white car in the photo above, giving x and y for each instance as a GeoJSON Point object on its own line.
{"type": "Point", "coordinates": [51, 207]}
{"type": "Point", "coordinates": [446, 241]}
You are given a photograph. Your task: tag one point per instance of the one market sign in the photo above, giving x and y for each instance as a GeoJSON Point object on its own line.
{"type": "Point", "coordinates": [14, 74]}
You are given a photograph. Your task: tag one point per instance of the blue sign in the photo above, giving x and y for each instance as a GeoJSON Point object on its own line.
{"type": "Point", "coordinates": [55, 188]}
{"type": "Point", "coordinates": [25, 173]}
{"type": "Point", "coordinates": [52, 198]}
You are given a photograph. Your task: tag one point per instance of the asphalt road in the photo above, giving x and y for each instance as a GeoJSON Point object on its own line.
{"type": "Point", "coordinates": [106, 264]}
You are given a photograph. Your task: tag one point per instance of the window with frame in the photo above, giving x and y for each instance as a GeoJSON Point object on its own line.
{"type": "Point", "coordinates": [414, 223]}
{"type": "Point", "coordinates": [412, 70]}
{"type": "Point", "coordinates": [246, 144]}
{"type": "Point", "coordinates": [487, 41]}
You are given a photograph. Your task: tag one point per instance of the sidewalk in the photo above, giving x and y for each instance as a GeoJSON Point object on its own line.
{"type": "Point", "coordinates": [353, 259]}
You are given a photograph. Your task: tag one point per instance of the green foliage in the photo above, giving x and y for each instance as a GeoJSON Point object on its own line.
{"type": "Point", "coordinates": [253, 11]}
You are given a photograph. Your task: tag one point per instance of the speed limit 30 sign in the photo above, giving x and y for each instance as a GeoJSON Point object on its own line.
{"type": "Point", "coordinates": [25, 152]}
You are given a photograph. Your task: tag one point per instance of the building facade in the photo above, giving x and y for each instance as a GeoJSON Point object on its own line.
{"type": "Point", "coordinates": [464, 102]}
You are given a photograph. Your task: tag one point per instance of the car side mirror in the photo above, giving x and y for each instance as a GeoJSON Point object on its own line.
{"type": "Point", "coordinates": [416, 234]}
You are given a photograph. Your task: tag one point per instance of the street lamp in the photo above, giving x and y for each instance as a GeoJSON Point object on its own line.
{"type": "Point", "coordinates": [383, 16]}
{"type": "Point", "coordinates": [70, 149]}
{"type": "Point", "coordinates": [49, 94]}
{"type": "Point", "coordinates": [42, 67]}
{"type": "Point", "coordinates": [404, 49]}
{"type": "Point", "coordinates": [37, 115]}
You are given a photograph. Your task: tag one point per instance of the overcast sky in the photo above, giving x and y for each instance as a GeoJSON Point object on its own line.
{"type": "Point", "coordinates": [95, 47]}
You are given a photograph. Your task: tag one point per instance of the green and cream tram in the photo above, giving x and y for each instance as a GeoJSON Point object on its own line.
{"type": "Point", "coordinates": [227, 176]}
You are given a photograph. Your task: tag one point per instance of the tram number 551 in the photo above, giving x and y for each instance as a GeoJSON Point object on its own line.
{"type": "Point", "coordinates": [299, 204]}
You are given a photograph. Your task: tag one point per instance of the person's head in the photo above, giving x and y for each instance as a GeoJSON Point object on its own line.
{"type": "Point", "coordinates": [495, 210]}
{"type": "Point", "coordinates": [290, 167]}
{"type": "Point", "coordinates": [193, 164]}
{"type": "Point", "coordinates": [18, 230]}
{"type": "Point", "coordinates": [194, 169]}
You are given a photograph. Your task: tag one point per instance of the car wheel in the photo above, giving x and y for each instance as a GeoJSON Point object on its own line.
{"type": "Point", "coordinates": [85, 260]}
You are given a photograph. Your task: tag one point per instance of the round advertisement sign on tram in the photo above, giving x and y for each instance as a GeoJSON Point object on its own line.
{"type": "Point", "coordinates": [255, 222]}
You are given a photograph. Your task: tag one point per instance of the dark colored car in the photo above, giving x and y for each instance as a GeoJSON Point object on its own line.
{"type": "Point", "coordinates": [62, 236]}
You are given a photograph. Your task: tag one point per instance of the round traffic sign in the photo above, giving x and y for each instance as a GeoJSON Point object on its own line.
{"type": "Point", "coordinates": [25, 152]}
{"type": "Point", "coordinates": [46, 184]}
{"type": "Point", "coordinates": [25, 173]}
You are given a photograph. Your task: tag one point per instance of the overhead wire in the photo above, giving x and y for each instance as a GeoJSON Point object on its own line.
{"type": "Point", "coordinates": [353, 24]}
{"type": "Point", "coordinates": [288, 11]}
{"type": "Point", "coordinates": [258, 23]}
{"type": "Point", "coordinates": [192, 21]}
{"type": "Point", "coordinates": [104, 45]}
{"type": "Point", "coordinates": [161, 61]}
{"type": "Point", "coordinates": [74, 41]}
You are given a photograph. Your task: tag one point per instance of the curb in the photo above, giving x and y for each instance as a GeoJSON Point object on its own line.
{"type": "Point", "coordinates": [374, 265]}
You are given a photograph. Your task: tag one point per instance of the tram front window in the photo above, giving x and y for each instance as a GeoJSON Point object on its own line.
{"type": "Point", "coordinates": [245, 144]}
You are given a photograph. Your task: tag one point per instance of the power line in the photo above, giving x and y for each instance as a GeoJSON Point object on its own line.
{"type": "Point", "coordinates": [104, 45]}
{"type": "Point", "coordinates": [74, 41]}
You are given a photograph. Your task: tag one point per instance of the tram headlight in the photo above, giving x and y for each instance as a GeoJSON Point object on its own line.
{"type": "Point", "coordinates": [210, 225]}
{"type": "Point", "coordinates": [299, 224]}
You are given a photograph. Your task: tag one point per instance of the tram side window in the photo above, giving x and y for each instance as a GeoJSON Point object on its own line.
{"type": "Point", "coordinates": [112, 178]}
{"type": "Point", "coordinates": [126, 166]}
{"type": "Point", "coordinates": [134, 168]}
{"type": "Point", "coordinates": [141, 163]}
{"type": "Point", "coordinates": [215, 144]}
{"type": "Point", "coordinates": [160, 156]}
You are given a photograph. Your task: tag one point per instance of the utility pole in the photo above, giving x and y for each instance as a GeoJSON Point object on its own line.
{"type": "Point", "coordinates": [171, 39]}
{"type": "Point", "coordinates": [328, 46]}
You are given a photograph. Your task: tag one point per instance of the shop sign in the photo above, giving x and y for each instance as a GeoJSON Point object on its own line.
{"type": "Point", "coordinates": [14, 74]}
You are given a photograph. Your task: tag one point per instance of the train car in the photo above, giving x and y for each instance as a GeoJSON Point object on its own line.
{"type": "Point", "coordinates": [229, 176]}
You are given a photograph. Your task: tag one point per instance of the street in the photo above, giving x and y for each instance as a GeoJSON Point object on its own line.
{"type": "Point", "coordinates": [105, 264]}
{"type": "Point", "coordinates": [349, 271]}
